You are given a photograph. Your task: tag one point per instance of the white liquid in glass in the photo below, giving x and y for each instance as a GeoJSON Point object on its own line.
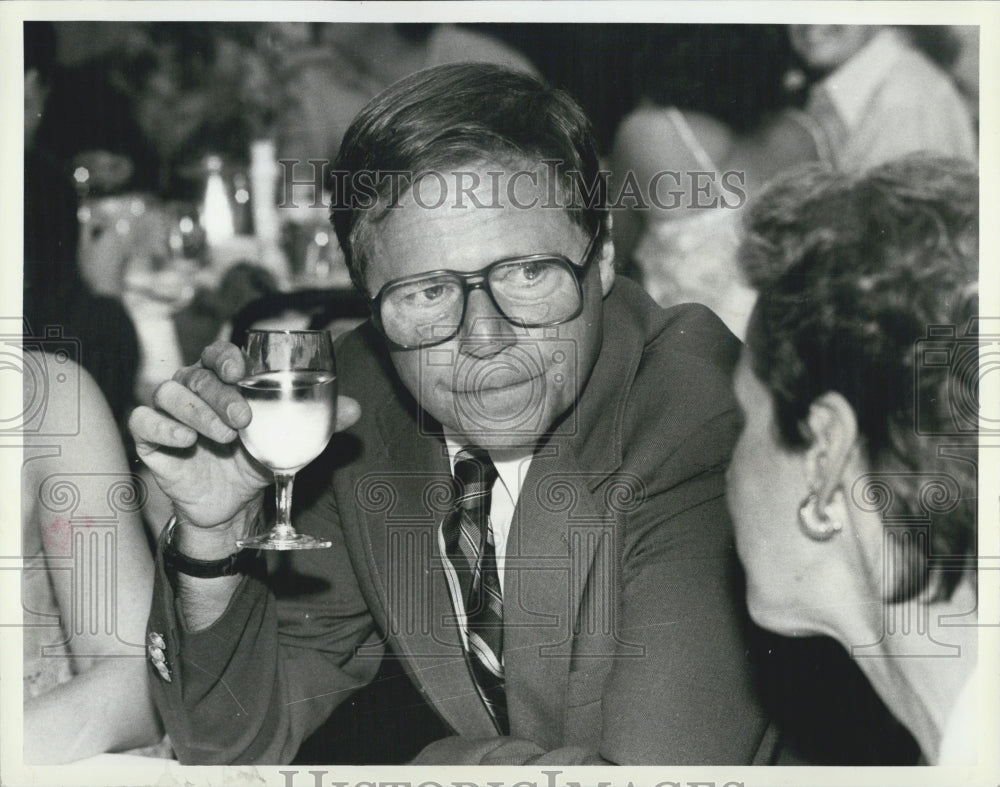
{"type": "Point", "coordinates": [294, 413]}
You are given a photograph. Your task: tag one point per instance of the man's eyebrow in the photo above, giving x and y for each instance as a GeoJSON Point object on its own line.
{"type": "Point", "coordinates": [539, 255]}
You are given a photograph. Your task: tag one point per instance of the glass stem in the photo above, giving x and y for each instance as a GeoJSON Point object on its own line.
{"type": "Point", "coordinates": [283, 500]}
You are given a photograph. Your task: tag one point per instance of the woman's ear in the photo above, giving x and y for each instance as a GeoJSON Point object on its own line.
{"type": "Point", "coordinates": [607, 261]}
{"type": "Point", "coordinates": [833, 428]}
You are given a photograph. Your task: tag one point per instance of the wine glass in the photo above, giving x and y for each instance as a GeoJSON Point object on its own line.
{"type": "Point", "coordinates": [291, 387]}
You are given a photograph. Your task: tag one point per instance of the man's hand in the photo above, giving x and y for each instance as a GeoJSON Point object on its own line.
{"type": "Point", "coordinates": [191, 445]}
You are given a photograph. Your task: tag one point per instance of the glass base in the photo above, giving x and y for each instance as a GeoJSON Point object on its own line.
{"type": "Point", "coordinates": [283, 541]}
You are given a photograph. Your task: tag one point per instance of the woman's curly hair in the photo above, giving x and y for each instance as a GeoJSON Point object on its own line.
{"type": "Point", "coordinates": [868, 286]}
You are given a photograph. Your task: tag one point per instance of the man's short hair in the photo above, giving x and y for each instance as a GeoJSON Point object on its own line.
{"type": "Point", "coordinates": [457, 115]}
{"type": "Point", "coordinates": [852, 271]}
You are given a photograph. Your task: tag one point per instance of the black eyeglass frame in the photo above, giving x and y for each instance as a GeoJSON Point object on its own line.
{"type": "Point", "coordinates": [479, 280]}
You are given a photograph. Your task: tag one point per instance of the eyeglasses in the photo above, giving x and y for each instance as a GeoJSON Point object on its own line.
{"type": "Point", "coordinates": [531, 292]}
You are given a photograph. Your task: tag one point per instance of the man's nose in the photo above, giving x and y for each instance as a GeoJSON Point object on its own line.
{"type": "Point", "coordinates": [485, 331]}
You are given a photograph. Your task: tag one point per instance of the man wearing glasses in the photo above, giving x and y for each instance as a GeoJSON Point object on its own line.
{"type": "Point", "coordinates": [527, 510]}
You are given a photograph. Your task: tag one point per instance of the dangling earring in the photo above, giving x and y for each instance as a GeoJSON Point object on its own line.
{"type": "Point", "coordinates": [815, 523]}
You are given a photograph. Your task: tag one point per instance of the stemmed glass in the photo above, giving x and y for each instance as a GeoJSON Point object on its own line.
{"type": "Point", "coordinates": [291, 386]}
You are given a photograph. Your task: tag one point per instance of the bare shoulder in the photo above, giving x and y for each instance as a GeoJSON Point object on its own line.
{"type": "Point", "coordinates": [788, 138]}
{"type": "Point", "coordinates": [650, 132]}
{"type": "Point", "coordinates": [61, 399]}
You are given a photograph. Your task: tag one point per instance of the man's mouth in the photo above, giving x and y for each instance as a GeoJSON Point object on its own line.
{"type": "Point", "coordinates": [493, 383]}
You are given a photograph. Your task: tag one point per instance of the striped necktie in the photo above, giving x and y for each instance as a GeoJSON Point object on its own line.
{"type": "Point", "coordinates": [469, 548]}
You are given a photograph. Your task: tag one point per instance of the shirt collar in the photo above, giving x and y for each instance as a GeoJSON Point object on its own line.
{"type": "Point", "coordinates": [511, 465]}
{"type": "Point", "coordinates": [852, 86]}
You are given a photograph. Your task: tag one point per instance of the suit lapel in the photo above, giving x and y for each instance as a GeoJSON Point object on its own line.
{"type": "Point", "coordinates": [549, 554]}
{"type": "Point", "coordinates": [558, 529]}
{"type": "Point", "coordinates": [401, 510]}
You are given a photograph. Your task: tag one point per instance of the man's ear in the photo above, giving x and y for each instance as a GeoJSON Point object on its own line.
{"type": "Point", "coordinates": [607, 261]}
{"type": "Point", "coordinates": [833, 428]}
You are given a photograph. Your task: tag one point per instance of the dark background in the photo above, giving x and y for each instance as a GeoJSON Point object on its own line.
{"type": "Point", "coordinates": [106, 69]}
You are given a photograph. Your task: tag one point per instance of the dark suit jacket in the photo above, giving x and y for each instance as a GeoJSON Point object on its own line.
{"type": "Point", "coordinates": [623, 636]}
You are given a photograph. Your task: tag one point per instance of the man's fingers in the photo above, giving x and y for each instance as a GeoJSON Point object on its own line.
{"type": "Point", "coordinates": [187, 405]}
{"type": "Point", "coordinates": [152, 430]}
{"type": "Point", "coordinates": [348, 412]}
{"type": "Point", "coordinates": [224, 399]}
{"type": "Point", "coordinates": [226, 360]}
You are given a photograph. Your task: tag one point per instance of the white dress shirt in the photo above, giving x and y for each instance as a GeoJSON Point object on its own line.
{"type": "Point", "coordinates": [511, 470]}
{"type": "Point", "coordinates": [893, 100]}
{"type": "Point", "coordinates": [512, 467]}
{"type": "Point", "coordinates": [961, 733]}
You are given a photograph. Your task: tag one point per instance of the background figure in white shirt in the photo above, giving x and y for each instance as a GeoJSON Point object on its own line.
{"type": "Point", "coordinates": [881, 96]}
{"type": "Point", "coordinates": [716, 121]}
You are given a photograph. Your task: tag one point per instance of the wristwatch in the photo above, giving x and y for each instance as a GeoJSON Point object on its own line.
{"type": "Point", "coordinates": [236, 563]}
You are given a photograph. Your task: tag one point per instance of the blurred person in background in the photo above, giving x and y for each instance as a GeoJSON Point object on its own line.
{"type": "Point", "coordinates": [883, 92]}
{"type": "Point", "coordinates": [55, 293]}
{"type": "Point", "coordinates": [335, 69]}
{"type": "Point", "coordinates": [50, 202]}
{"type": "Point", "coordinates": [964, 68]}
{"type": "Point", "coordinates": [718, 99]}
{"type": "Point", "coordinates": [86, 687]}
{"type": "Point", "coordinates": [208, 317]}
{"type": "Point", "coordinates": [848, 508]}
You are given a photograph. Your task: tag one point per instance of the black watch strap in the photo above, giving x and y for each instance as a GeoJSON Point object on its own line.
{"type": "Point", "coordinates": [236, 563]}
